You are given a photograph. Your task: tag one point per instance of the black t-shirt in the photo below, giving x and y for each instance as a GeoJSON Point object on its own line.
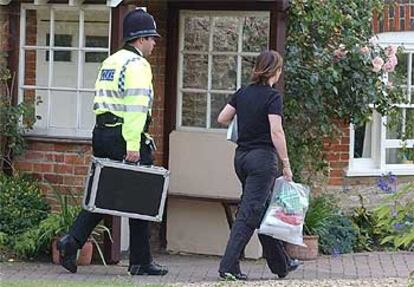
{"type": "Point", "coordinates": [253, 104]}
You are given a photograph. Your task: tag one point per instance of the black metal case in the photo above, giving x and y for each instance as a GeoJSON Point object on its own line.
{"type": "Point", "coordinates": [126, 190]}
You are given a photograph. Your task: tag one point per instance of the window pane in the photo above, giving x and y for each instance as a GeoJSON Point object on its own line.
{"type": "Point", "coordinates": [37, 26]}
{"type": "Point", "coordinates": [196, 33]}
{"type": "Point", "coordinates": [224, 73]}
{"type": "Point", "coordinates": [194, 110]}
{"type": "Point", "coordinates": [63, 109]}
{"type": "Point", "coordinates": [218, 101]}
{"type": "Point", "coordinates": [399, 155]}
{"type": "Point", "coordinates": [36, 70]}
{"type": "Point", "coordinates": [90, 73]}
{"type": "Point", "coordinates": [87, 119]}
{"type": "Point", "coordinates": [255, 33]}
{"type": "Point", "coordinates": [363, 141]}
{"type": "Point", "coordinates": [247, 67]}
{"type": "Point", "coordinates": [394, 125]}
{"type": "Point", "coordinates": [96, 41]}
{"type": "Point", "coordinates": [65, 74]}
{"type": "Point", "coordinates": [195, 71]}
{"type": "Point", "coordinates": [61, 40]}
{"type": "Point", "coordinates": [226, 33]}
{"type": "Point", "coordinates": [96, 28]}
{"type": "Point", "coordinates": [67, 23]}
{"type": "Point", "coordinates": [409, 124]}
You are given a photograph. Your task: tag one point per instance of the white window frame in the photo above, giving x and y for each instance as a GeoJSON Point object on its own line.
{"type": "Point", "coordinates": [210, 54]}
{"type": "Point", "coordinates": [49, 131]}
{"type": "Point", "coordinates": [376, 165]}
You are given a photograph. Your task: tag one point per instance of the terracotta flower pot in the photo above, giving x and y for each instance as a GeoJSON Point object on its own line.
{"type": "Point", "coordinates": [304, 253]}
{"type": "Point", "coordinates": [85, 256]}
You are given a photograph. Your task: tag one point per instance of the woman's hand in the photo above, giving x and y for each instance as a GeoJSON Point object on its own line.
{"type": "Point", "coordinates": [287, 173]}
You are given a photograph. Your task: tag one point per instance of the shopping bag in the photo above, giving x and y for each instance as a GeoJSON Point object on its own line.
{"type": "Point", "coordinates": [286, 212]}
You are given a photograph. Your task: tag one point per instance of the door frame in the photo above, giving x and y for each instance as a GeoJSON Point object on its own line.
{"type": "Point", "coordinates": [278, 23]}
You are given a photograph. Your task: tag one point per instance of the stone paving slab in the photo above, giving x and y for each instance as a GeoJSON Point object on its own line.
{"type": "Point", "coordinates": [198, 269]}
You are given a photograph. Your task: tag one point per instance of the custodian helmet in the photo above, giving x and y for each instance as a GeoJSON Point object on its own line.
{"type": "Point", "coordinates": [139, 24]}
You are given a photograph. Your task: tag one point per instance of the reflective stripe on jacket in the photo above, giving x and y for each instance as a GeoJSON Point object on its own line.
{"type": "Point", "coordinates": [124, 88]}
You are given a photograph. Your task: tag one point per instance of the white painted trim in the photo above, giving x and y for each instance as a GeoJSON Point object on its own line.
{"type": "Point", "coordinates": [379, 172]}
{"type": "Point", "coordinates": [40, 2]}
{"type": "Point", "coordinates": [113, 3]}
{"type": "Point", "coordinates": [49, 130]}
{"type": "Point", "coordinates": [75, 2]}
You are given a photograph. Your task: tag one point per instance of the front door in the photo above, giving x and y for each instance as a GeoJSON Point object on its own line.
{"type": "Point", "coordinates": [216, 53]}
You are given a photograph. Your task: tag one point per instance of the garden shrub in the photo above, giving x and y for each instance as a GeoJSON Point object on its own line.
{"type": "Point", "coordinates": [22, 206]}
{"type": "Point", "coordinates": [341, 236]}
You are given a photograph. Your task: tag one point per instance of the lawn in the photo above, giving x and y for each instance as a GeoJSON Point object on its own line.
{"type": "Point", "coordinates": [63, 283]}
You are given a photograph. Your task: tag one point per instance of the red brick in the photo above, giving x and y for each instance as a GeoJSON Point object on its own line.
{"type": "Point", "coordinates": [335, 181]}
{"type": "Point", "coordinates": [81, 170]}
{"type": "Point", "coordinates": [339, 147]}
{"type": "Point", "coordinates": [74, 180]}
{"type": "Point", "coordinates": [59, 158]}
{"type": "Point", "coordinates": [336, 173]}
{"type": "Point", "coordinates": [345, 140]}
{"type": "Point", "coordinates": [338, 164]}
{"type": "Point", "coordinates": [40, 146]}
{"type": "Point", "coordinates": [23, 166]}
{"type": "Point", "coordinates": [35, 155]}
{"type": "Point", "coordinates": [42, 167]}
{"type": "Point", "coordinates": [63, 169]}
{"type": "Point", "coordinates": [53, 178]}
{"type": "Point", "coordinates": [74, 159]}
{"type": "Point", "coordinates": [333, 156]}
{"type": "Point", "coordinates": [344, 156]}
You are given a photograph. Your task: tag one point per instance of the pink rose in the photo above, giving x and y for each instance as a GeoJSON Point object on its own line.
{"type": "Point", "coordinates": [377, 63]}
{"type": "Point", "coordinates": [389, 66]}
{"type": "Point", "coordinates": [391, 50]}
{"type": "Point", "coordinates": [364, 50]}
{"type": "Point", "coordinates": [340, 53]}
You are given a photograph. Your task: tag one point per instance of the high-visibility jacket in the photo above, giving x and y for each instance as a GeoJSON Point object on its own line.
{"type": "Point", "coordinates": [124, 88]}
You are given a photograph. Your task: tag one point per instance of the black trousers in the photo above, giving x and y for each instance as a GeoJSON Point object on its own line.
{"type": "Point", "coordinates": [109, 143]}
{"type": "Point", "coordinates": [256, 170]}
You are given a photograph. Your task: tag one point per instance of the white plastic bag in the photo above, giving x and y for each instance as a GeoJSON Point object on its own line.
{"type": "Point", "coordinates": [285, 215]}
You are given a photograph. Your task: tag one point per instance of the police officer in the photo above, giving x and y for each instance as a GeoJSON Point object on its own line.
{"type": "Point", "coordinates": [122, 104]}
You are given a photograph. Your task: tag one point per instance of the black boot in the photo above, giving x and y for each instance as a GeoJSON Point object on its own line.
{"type": "Point", "coordinates": [147, 269]}
{"type": "Point", "coordinates": [68, 249]}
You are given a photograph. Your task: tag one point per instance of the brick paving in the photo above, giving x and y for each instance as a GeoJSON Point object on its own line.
{"type": "Point", "coordinates": [197, 269]}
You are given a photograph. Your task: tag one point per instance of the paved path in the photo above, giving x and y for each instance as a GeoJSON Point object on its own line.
{"type": "Point", "coordinates": [197, 269]}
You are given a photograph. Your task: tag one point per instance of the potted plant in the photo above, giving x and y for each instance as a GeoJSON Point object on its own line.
{"type": "Point", "coordinates": [55, 225]}
{"type": "Point", "coordinates": [320, 210]}
{"type": "Point", "coordinates": [60, 223]}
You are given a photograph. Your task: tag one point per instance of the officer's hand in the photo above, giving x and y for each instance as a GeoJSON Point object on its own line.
{"type": "Point", "coordinates": [132, 156]}
{"type": "Point", "coordinates": [287, 173]}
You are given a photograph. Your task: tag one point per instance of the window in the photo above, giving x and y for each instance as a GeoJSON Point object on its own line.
{"type": "Point", "coordinates": [386, 144]}
{"type": "Point", "coordinates": [61, 48]}
{"type": "Point", "coordinates": [60, 41]}
{"type": "Point", "coordinates": [217, 51]}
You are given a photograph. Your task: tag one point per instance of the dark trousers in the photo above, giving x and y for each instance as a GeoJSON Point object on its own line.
{"type": "Point", "coordinates": [109, 143]}
{"type": "Point", "coordinates": [256, 170]}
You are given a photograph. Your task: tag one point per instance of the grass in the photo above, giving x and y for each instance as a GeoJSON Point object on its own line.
{"type": "Point", "coordinates": [63, 283]}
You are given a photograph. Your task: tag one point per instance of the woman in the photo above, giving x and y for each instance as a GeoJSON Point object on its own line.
{"type": "Point", "coordinates": [260, 136]}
